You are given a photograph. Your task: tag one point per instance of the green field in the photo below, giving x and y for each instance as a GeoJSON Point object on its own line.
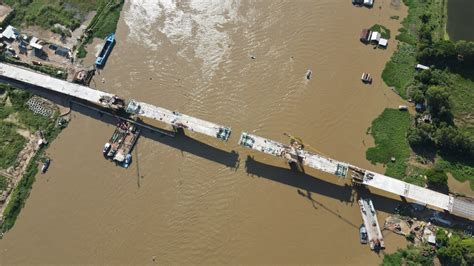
{"type": "Point", "coordinates": [389, 131]}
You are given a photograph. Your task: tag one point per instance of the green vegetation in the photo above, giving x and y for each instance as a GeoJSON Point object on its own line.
{"type": "Point", "coordinates": [444, 127]}
{"type": "Point", "coordinates": [3, 183]}
{"type": "Point", "coordinates": [398, 72]}
{"type": "Point", "coordinates": [56, 72]}
{"type": "Point", "coordinates": [395, 17]}
{"type": "Point", "coordinates": [389, 132]}
{"type": "Point", "coordinates": [34, 122]}
{"type": "Point", "coordinates": [104, 23]}
{"type": "Point", "coordinates": [384, 31]}
{"type": "Point", "coordinates": [11, 143]}
{"type": "Point", "coordinates": [47, 13]}
{"type": "Point", "coordinates": [454, 250]}
{"type": "Point", "coordinates": [410, 256]}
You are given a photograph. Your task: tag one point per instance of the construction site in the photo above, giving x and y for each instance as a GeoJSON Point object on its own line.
{"type": "Point", "coordinates": [133, 114]}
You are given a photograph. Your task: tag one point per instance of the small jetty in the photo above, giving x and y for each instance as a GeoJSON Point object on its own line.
{"type": "Point", "coordinates": [105, 51]}
{"type": "Point", "coordinates": [121, 143]}
{"type": "Point", "coordinates": [374, 235]}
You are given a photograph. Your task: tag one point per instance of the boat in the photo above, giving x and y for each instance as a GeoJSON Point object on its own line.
{"type": "Point", "coordinates": [363, 234]}
{"type": "Point", "coordinates": [106, 148]}
{"type": "Point", "coordinates": [127, 161]}
{"type": "Point", "coordinates": [45, 166]}
{"type": "Point", "coordinates": [402, 107]}
{"type": "Point", "coordinates": [106, 49]}
{"type": "Point", "coordinates": [366, 78]}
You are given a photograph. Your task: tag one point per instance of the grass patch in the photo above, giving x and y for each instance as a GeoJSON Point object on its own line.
{"type": "Point", "coordinates": [384, 31]}
{"type": "Point", "coordinates": [399, 72]}
{"type": "Point", "coordinates": [409, 256]}
{"type": "Point", "coordinates": [389, 131]}
{"type": "Point", "coordinates": [11, 143]}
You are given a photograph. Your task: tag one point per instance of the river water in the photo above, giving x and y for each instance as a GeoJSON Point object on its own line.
{"type": "Point", "coordinates": [196, 200]}
{"type": "Point", "coordinates": [460, 19]}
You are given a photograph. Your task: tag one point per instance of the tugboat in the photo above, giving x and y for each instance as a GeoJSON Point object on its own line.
{"type": "Point", "coordinates": [106, 49]}
{"type": "Point", "coordinates": [363, 234]}
{"type": "Point", "coordinates": [45, 166]}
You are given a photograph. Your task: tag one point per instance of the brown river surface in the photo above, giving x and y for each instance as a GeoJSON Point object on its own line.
{"type": "Point", "coordinates": [196, 200]}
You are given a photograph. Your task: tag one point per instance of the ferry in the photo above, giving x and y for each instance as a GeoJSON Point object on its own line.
{"type": "Point", "coordinates": [106, 49]}
{"type": "Point", "coordinates": [363, 234]}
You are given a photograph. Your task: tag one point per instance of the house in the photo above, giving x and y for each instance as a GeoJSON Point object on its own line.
{"type": "Point", "coordinates": [62, 51]}
{"type": "Point", "coordinates": [365, 35]}
{"type": "Point", "coordinates": [37, 48]}
{"type": "Point", "coordinates": [10, 33]}
{"type": "Point", "coordinates": [383, 42]}
{"type": "Point", "coordinates": [375, 36]}
{"type": "Point", "coordinates": [420, 107]}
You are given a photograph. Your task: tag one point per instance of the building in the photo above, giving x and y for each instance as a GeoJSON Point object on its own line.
{"type": "Point", "coordinates": [383, 42]}
{"type": "Point", "coordinates": [365, 35]}
{"type": "Point", "coordinates": [421, 67]}
{"type": "Point", "coordinates": [37, 48]}
{"type": "Point", "coordinates": [62, 51]}
{"type": "Point", "coordinates": [10, 33]}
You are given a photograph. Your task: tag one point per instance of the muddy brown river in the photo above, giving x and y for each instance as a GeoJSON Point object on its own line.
{"type": "Point", "coordinates": [196, 200]}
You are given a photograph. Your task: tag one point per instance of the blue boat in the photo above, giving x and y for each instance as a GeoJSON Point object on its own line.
{"type": "Point", "coordinates": [106, 49]}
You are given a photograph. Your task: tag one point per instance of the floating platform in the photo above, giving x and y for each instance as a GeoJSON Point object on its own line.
{"type": "Point", "coordinates": [369, 215]}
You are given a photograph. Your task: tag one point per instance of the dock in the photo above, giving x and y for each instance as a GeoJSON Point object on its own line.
{"type": "Point", "coordinates": [462, 207]}
{"type": "Point", "coordinates": [369, 215]}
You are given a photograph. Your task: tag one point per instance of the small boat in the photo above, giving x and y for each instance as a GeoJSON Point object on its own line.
{"type": "Point", "coordinates": [363, 234]}
{"type": "Point", "coordinates": [106, 49]}
{"type": "Point", "coordinates": [366, 78]}
{"type": "Point", "coordinates": [127, 161]}
{"type": "Point", "coordinates": [106, 148]}
{"type": "Point", "coordinates": [45, 166]}
{"type": "Point", "coordinates": [308, 74]}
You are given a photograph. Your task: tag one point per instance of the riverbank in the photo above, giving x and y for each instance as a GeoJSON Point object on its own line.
{"type": "Point", "coordinates": [19, 161]}
{"type": "Point", "coordinates": [440, 133]}
{"type": "Point", "coordinates": [423, 87]}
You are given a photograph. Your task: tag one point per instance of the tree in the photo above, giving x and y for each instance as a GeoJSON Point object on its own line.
{"type": "Point", "coordinates": [454, 142]}
{"type": "Point", "coordinates": [438, 101]}
{"type": "Point", "coordinates": [437, 178]}
{"type": "Point", "coordinates": [417, 95]}
{"type": "Point", "coordinates": [452, 253]}
{"type": "Point", "coordinates": [421, 136]}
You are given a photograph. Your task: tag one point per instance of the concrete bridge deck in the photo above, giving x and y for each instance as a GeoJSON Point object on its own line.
{"type": "Point", "coordinates": [457, 206]}
{"type": "Point", "coordinates": [113, 102]}
{"type": "Point", "coordinates": [16, 75]}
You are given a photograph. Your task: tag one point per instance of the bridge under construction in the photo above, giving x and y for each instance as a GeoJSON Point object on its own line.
{"type": "Point", "coordinates": [148, 114]}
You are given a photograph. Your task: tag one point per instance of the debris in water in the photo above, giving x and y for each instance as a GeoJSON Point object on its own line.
{"type": "Point", "coordinates": [308, 74]}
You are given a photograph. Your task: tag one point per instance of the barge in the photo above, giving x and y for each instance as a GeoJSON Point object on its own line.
{"type": "Point", "coordinates": [121, 144]}
{"type": "Point", "coordinates": [105, 52]}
